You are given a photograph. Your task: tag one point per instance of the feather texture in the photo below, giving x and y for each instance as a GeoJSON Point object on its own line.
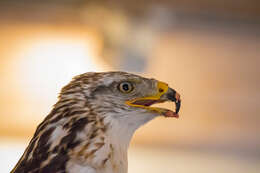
{"type": "Point", "coordinates": [90, 127]}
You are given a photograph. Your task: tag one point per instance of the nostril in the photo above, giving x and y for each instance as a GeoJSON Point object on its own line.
{"type": "Point", "coordinates": [161, 90]}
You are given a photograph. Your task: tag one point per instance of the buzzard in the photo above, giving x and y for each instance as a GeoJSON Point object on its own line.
{"type": "Point", "coordinates": [92, 123]}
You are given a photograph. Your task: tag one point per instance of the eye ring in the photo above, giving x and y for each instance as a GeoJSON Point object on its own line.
{"type": "Point", "coordinates": [126, 87]}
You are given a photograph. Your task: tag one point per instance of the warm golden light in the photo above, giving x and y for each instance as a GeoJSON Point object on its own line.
{"type": "Point", "coordinates": [48, 64]}
{"type": "Point", "coordinates": [209, 53]}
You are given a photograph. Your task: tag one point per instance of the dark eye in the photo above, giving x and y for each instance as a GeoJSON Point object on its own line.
{"type": "Point", "coordinates": [125, 87]}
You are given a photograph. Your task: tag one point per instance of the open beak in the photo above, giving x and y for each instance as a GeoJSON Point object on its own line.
{"type": "Point", "coordinates": [163, 94]}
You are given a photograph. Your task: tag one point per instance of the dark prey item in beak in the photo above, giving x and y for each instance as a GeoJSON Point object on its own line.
{"type": "Point", "coordinates": [175, 97]}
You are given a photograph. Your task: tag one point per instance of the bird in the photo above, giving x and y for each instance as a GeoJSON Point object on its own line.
{"type": "Point", "coordinates": [91, 125]}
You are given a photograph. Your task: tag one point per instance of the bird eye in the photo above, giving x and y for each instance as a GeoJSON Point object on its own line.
{"type": "Point", "coordinates": [125, 87]}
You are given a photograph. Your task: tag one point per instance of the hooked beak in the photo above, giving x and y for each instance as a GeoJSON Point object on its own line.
{"type": "Point", "coordinates": [163, 94]}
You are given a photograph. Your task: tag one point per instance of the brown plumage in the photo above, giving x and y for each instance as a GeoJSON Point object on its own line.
{"type": "Point", "coordinates": [91, 125]}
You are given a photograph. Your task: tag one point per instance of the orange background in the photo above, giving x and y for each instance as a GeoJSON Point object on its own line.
{"type": "Point", "coordinates": [212, 59]}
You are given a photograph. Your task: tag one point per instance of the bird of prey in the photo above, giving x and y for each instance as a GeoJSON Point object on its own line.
{"type": "Point", "coordinates": [92, 123]}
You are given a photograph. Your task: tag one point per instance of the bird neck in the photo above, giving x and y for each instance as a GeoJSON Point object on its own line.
{"type": "Point", "coordinates": [122, 128]}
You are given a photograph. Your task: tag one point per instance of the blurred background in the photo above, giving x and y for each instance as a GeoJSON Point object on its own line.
{"type": "Point", "coordinates": [209, 51]}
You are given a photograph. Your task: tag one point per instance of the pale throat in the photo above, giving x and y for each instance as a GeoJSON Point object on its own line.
{"type": "Point", "coordinates": [122, 128]}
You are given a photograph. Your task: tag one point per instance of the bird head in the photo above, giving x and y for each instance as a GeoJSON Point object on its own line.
{"type": "Point", "coordinates": [123, 96]}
